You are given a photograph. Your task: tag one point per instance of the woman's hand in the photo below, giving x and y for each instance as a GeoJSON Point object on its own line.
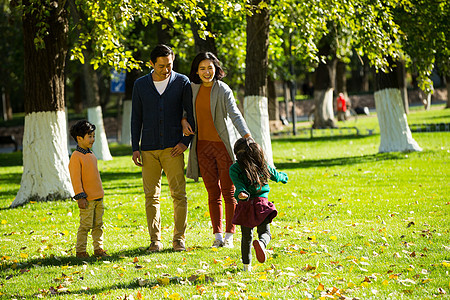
{"type": "Point", "coordinates": [187, 129]}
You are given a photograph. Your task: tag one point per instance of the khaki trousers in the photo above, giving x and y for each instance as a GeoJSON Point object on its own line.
{"type": "Point", "coordinates": [154, 162]}
{"type": "Point", "coordinates": [91, 218]}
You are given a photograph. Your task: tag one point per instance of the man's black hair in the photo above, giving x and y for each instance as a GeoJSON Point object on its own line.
{"type": "Point", "coordinates": [81, 128]}
{"type": "Point", "coordinates": [160, 50]}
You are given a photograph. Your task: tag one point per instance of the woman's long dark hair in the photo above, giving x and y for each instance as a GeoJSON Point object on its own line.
{"type": "Point", "coordinates": [252, 161]}
{"type": "Point", "coordinates": [193, 76]}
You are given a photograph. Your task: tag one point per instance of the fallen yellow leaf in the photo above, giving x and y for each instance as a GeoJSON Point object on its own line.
{"type": "Point", "coordinates": [175, 296]}
{"type": "Point", "coordinates": [333, 238]}
{"type": "Point", "coordinates": [163, 280]}
{"type": "Point", "coordinates": [321, 287]}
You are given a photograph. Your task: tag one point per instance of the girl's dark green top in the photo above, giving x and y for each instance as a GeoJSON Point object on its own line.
{"type": "Point", "coordinates": [243, 184]}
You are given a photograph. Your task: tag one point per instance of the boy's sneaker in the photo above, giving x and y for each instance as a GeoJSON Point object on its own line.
{"type": "Point", "coordinates": [178, 246]}
{"type": "Point", "coordinates": [247, 268]}
{"type": "Point", "coordinates": [82, 254]}
{"type": "Point", "coordinates": [228, 243]}
{"type": "Point", "coordinates": [155, 247]}
{"type": "Point", "coordinates": [100, 252]}
{"type": "Point", "coordinates": [259, 251]}
{"type": "Point", "coordinates": [217, 244]}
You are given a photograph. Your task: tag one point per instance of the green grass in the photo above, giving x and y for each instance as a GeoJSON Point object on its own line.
{"type": "Point", "coordinates": [351, 222]}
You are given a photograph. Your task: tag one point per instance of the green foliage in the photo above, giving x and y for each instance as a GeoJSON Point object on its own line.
{"type": "Point", "coordinates": [426, 39]}
{"type": "Point", "coordinates": [416, 30]}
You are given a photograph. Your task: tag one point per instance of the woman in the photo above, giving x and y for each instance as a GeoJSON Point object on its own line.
{"type": "Point", "coordinates": [218, 124]}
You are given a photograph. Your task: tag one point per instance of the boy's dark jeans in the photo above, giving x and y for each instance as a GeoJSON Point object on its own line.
{"type": "Point", "coordinates": [264, 237]}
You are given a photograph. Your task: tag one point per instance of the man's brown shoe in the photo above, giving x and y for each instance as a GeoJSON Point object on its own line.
{"type": "Point", "coordinates": [179, 246]}
{"type": "Point", "coordinates": [100, 252]}
{"type": "Point", "coordinates": [82, 255]}
{"type": "Point", "coordinates": [155, 246]}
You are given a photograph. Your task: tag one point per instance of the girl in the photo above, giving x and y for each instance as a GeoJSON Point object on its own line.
{"type": "Point", "coordinates": [218, 124]}
{"type": "Point", "coordinates": [250, 175]}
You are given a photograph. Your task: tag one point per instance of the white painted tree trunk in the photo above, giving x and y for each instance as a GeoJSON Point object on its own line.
{"type": "Point", "coordinates": [68, 132]}
{"type": "Point", "coordinates": [395, 135]}
{"type": "Point", "coordinates": [45, 160]}
{"type": "Point", "coordinates": [324, 112]}
{"type": "Point", "coordinates": [125, 138]}
{"type": "Point", "coordinates": [256, 115]}
{"type": "Point", "coordinates": [100, 147]}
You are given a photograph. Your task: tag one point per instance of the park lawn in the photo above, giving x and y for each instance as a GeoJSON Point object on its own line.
{"type": "Point", "coordinates": [352, 223]}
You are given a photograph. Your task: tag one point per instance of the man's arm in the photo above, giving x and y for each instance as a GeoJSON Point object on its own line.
{"type": "Point", "coordinates": [188, 111]}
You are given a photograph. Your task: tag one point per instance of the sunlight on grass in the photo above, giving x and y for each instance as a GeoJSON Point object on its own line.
{"type": "Point", "coordinates": [352, 223]}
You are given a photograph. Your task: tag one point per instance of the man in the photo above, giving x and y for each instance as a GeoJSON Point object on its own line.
{"type": "Point", "coordinates": [158, 101]}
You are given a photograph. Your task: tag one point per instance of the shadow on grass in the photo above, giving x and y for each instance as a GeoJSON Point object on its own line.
{"type": "Point", "coordinates": [307, 139]}
{"type": "Point", "coordinates": [13, 159]}
{"type": "Point", "coordinates": [52, 260]}
{"type": "Point", "coordinates": [339, 161]}
{"type": "Point", "coordinates": [111, 176]}
{"type": "Point", "coordinates": [11, 178]}
{"type": "Point", "coordinates": [74, 261]}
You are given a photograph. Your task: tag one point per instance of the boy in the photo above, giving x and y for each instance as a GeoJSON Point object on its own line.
{"type": "Point", "coordinates": [88, 189]}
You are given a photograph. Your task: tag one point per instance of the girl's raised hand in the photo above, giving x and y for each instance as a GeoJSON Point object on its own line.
{"type": "Point", "coordinates": [242, 196]}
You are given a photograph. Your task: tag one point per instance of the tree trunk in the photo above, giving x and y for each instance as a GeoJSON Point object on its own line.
{"type": "Point", "coordinates": [131, 77]}
{"type": "Point", "coordinates": [447, 79]}
{"type": "Point", "coordinates": [286, 100]}
{"type": "Point", "coordinates": [45, 160]}
{"type": "Point", "coordinates": [6, 104]}
{"type": "Point", "coordinates": [401, 74]}
{"type": "Point", "coordinates": [77, 95]}
{"type": "Point", "coordinates": [255, 99]}
{"type": "Point", "coordinates": [365, 84]}
{"type": "Point", "coordinates": [203, 45]}
{"type": "Point", "coordinates": [274, 114]}
{"type": "Point", "coordinates": [395, 135]}
{"type": "Point", "coordinates": [95, 115]}
{"type": "Point", "coordinates": [323, 91]}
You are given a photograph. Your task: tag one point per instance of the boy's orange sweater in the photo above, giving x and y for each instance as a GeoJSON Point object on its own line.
{"type": "Point", "coordinates": [85, 176]}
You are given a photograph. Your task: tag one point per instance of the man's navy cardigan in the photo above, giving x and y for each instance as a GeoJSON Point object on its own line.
{"type": "Point", "coordinates": [155, 118]}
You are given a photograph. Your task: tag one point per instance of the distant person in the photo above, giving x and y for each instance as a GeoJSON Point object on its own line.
{"type": "Point", "coordinates": [88, 189]}
{"type": "Point", "coordinates": [250, 175]}
{"type": "Point", "coordinates": [341, 108]}
{"type": "Point", "coordinates": [158, 101]}
{"type": "Point", "coordinates": [219, 124]}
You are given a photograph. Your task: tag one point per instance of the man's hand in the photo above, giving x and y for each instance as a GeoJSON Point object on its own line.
{"type": "Point", "coordinates": [137, 158]}
{"type": "Point", "coordinates": [178, 149]}
{"type": "Point", "coordinates": [82, 203]}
